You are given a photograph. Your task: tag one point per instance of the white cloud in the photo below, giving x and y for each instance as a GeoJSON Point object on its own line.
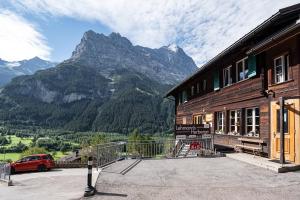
{"type": "Point", "coordinates": [202, 28]}
{"type": "Point", "coordinates": [19, 39]}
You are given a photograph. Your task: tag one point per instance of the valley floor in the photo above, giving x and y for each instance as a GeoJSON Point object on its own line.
{"type": "Point", "coordinates": [196, 178]}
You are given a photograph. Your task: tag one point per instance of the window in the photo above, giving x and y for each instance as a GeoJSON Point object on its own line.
{"type": "Point", "coordinates": [204, 85]}
{"type": "Point", "coordinates": [184, 120]}
{"type": "Point", "coordinates": [198, 119]}
{"type": "Point", "coordinates": [180, 98]}
{"type": "Point", "coordinates": [220, 123]}
{"type": "Point", "coordinates": [235, 122]}
{"type": "Point", "coordinates": [242, 69]}
{"type": "Point", "coordinates": [198, 88]}
{"type": "Point", "coordinates": [285, 120]}
{"type": "Point", "coordinates": [227, 76]}
{"type": "Point", "coordinates": [192, 91]}
{"type": "Point", "coordinates": [281, 65]}
{"type": "Point", "coordinates": [252, 122]}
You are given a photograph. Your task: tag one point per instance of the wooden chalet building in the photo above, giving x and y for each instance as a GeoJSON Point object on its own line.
{"type": "Point", "coordinates": [241, 91]}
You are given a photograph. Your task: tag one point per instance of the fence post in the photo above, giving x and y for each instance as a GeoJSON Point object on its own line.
{"type": "Point", "coordinates": [89, 190]}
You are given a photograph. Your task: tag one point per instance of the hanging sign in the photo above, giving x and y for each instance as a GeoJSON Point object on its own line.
{"type": "Point", "coordinates": [192, 129]}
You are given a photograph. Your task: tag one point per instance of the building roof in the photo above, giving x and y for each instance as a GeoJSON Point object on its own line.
{"type": "Point", "coordinates": [277, 16]}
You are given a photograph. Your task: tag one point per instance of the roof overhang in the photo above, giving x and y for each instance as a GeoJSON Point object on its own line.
{"type": "Point", "coordinates": [237, 44]}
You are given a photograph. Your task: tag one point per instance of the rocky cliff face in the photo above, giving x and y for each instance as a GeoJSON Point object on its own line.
{"type": "Point", "coordinates": [167, 65]}
{"type": "Point", "coordinates": [107, 85]}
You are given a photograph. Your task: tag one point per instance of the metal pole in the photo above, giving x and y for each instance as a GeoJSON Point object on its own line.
{"type": "Point", "coordinates": [89, 190]}
{"type": "Point", "coordinates": [281, 102]}
{"type": "Point", "coordinates": [97, 157]}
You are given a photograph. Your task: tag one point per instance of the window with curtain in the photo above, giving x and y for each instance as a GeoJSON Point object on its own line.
{"type": "Point", "coordinates": [242, 69]}
{"type": "Point", "coordinates": [281, 66]}
{"type": "Point", "coordinates": [227, 76]}
{"type": "Point", "coordinates": [252, 122]}
{"type": "Point", "coordinates": [220, 123]}
{"type": "Point", "coordinates": [235, 122]}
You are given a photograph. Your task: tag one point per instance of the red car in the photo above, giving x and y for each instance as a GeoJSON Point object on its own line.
{"type": "Point", "coordinates": [37, 162]}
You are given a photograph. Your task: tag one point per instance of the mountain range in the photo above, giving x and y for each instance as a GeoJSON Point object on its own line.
{"type": "Point", "coordinates": [108, 85]}
{"type": "Point", "coordinates": [9, 70]}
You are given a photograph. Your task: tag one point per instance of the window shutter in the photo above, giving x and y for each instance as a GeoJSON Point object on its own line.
{"type": "Point", "coordinates": [184, 96]}
{"type": "Point", "coordinates": [179, 98]}
{"type": "Point", "coordinates": [215, 123]}
{"type": "Point", "coordinates": [216, 80]}
{"type": "Point", "coordinates": [226, 122]}
{"type": "Point", "coordinates": [252, 66]}
{"type": "Point", "coordinates": [243, 121]}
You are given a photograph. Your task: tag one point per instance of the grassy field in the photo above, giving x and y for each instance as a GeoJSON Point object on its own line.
{"type": "Point", "coordinates": [11, 156]}
{"type": "Point", "coordinates": [15, 140]}
{"type": "Point", "coordinates": [16, 156]}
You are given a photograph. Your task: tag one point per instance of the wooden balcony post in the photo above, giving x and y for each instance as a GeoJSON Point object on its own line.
{"type": "Point", "coordinates": [281, 103]}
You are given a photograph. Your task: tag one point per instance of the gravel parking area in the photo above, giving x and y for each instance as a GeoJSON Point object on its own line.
{"type": "Point", "coordinates": [196, 178]}
{"type": "Point", "coordinates": [56, 184]}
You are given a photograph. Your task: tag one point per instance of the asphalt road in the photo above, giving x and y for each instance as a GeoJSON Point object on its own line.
{"type": "Point", "coordinates": [196, 178]}
{"type": "Point", "coordinates": [64, 184]}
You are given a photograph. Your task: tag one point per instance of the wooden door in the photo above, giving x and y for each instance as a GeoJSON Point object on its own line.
{"type": "Point", "coordinates": [289, 131]}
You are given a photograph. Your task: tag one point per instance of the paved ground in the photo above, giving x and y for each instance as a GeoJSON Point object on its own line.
{"type": "Point", "coordinates": [196, 178]}
{"type": "Point", "coordinates": [53, 185]}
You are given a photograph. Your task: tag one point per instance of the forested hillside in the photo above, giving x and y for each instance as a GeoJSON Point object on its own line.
{"type": "Point", "coordinates": [107, 85]}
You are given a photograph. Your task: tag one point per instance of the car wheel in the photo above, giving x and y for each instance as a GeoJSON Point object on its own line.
{"type": "Point", "coordinates": [12, 170]}
{"type": "Point", "coordinates": [41, 168]}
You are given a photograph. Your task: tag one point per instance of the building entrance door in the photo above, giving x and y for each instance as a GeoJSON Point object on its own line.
{"type": "Point", "coordinates": [289, 130]}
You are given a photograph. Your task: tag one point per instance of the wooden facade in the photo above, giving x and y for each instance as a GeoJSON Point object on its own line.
{"type": "Point", "coordinates": [237, 92]}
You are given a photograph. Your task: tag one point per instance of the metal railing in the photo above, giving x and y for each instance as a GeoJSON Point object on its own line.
{"type": "Point", "coordinates": [5, 171]}
{"type": "Point", "coordinates": [152, 149]}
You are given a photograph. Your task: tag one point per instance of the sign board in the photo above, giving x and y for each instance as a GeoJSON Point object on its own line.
{"type": "Point", "coordinates": [192, 129]}
{"type": "Point", "coordinates": [180, 137]}
{"type": "Point", "coordinates": [206, 136]}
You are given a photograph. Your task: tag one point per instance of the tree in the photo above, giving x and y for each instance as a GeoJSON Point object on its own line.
{"type": "Point", "coordinates": [3, 141]}
{"type": "Point", "coordinates": [34, 150]}
{"type": "Point", "coordinates": [21, 147]}
{"type": "Point", "coordinates": [64, 148]}
{"type": "Point", "coordinates": [98, 139]}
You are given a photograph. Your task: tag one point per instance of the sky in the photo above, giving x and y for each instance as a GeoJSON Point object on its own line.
{"type": "Point", "coordinates": [51, 29]}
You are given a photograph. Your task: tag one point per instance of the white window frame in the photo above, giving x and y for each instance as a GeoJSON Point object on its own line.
{"type": "Point", "coordinates": [237, 70]}
{"type": "Point", "coordinates": [228, 71]}
{"type": "Point", "coordinates": [198, 119]}
{"type": "Point", "coordinates": [284, 68]}
{"type": "Point", "coordinates": [236, 119]}
{"type": "Point", "coordinates": [220, 131]}
{"type": "Point", "coordinates": [252, 133]}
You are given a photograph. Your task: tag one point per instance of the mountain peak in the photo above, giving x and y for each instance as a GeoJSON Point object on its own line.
{"type": "Point", "coordinates": [115, 35]}
{"type": "Point", "coordinates": [89, 33]}
{"type": "Point", "coordinates": [36, 58]}
{"type": "Point", "coordinates": [173, 47]}
{"type": "Point", "coordinates": [113, 51]}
